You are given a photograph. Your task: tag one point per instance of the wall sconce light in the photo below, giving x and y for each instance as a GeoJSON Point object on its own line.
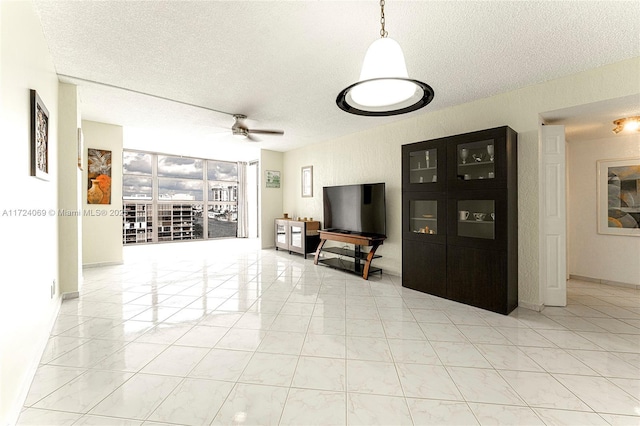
{"type": "Point", "coordinates": [628, 124]}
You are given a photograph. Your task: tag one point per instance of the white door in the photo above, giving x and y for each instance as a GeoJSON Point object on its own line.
{"type": "Point", "coordinates": [553, 216]}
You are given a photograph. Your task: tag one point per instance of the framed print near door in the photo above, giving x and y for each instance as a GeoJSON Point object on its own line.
{"type": "Point", "coordinates": [307, 181]}
{"type": "Point", "coordinates": [619, 197]}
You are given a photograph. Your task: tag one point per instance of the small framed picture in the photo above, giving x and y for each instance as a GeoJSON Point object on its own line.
{"type": "Point", "coordinates": [39, 130]}
{"type": "Point", "coordinates": [273, 179]}
{"type": "Point", "coordinates": [619, 197]}
{"type": "Point", "coordinates": [307, 181]}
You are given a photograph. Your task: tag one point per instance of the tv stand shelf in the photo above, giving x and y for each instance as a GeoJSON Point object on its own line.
{"type": "Point", "coordinates": [362, 255]}
{"type": "Point", "coordinates": [346, 265]}
{"type": "Point", "coordinates": [358, 240]}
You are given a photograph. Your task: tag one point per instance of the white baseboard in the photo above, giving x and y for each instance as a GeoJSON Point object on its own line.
{"type": "Point", "coordinates": [606, 282]}
{"type": "Point", "coordinates": [531, 306]}
{"type": "Point", "coordinates": [99, 264]}
{"type": "Point", "coordinates": [70, 295]}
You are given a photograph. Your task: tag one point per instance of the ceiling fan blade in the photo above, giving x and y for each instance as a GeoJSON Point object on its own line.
{"type": "Point", "coordinates": [253, 138]}
{"type": "Point", "coordinates": [266, 132]}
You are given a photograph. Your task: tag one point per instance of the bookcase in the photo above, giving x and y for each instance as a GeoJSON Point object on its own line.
{"type": "Point", "coordinates": [460, 218]}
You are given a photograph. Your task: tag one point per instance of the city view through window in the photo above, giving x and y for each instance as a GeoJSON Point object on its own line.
{"type": "Point", "coordinates": [171, 198]}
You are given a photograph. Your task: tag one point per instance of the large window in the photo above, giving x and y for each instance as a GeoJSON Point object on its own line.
{"type": "Point", "coordinates": [137, 176]}
{"type": "Point", "coordinates": [222, 191]}
{"type": "Point", "coordinates": [179, 167]}
{"type": "Point", "coordinates": [179, 189]}
{"type": "Point", "coordinates": [175, 192]}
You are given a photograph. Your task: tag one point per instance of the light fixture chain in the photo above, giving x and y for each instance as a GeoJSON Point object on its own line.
{"type": "Point", "coordinates": [383, 32]}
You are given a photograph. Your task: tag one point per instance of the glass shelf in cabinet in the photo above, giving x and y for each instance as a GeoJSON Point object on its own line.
{"type": "Point", "coordinates": [477, 221]}
{"type": "Point", "coordinates": [476, 163]}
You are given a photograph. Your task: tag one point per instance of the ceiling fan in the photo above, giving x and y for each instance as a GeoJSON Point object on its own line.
{"type": "Point", "coordinates": [239, 130]}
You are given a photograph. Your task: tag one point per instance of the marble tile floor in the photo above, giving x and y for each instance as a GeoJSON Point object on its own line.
{"type": "Point", "coordinates": [221, 332]}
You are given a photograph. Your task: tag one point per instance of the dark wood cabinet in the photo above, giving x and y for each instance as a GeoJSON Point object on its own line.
{"type": "Point", "coordinates": [478, 277]}
{"type": "Point", "coordinates": [460, 218]}
{"type": "Point", "coordinates": [424, 267]}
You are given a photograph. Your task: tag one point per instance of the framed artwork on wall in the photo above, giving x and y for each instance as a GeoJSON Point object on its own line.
{"type": "Point", "coordinates": [99, 176]}
{"type": "Point", "coordinates": [307, 181]}
{"type": "Point", "coordinates": [39, 135]}
{"type": "Point", "coordinates": [272, 179]}
{"type": "Point", "coordinates": [619, 197]}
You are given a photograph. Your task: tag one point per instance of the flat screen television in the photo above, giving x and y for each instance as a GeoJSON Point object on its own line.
{"type": "Point", "coordinates": [355, 208]}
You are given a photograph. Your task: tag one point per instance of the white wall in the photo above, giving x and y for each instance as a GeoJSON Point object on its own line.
{"type": "Point", "coordinates": [374, 155]}
{"type": "Point", "coordinates": [102, 223]}
{"type": "Point", "coordinates": [270, 198]}
{"type": "Point", "coordinates": [29, 260]}
{"type": "Point", "coordinates": [591, 255]}
{"type": "Point", "coordinates": [69, 200]}
{"type": "Point", "coordinates": [198, 143]}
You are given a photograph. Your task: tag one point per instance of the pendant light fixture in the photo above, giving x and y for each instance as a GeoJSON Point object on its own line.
{"type": "Point", "coordinates": [384, 87]}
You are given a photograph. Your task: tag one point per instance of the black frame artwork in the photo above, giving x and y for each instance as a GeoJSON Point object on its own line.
{"type": "Point", "coordinates": [39, 130]}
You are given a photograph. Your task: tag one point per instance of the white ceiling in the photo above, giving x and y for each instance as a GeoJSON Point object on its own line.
{"type": "Point", "coordinates": [282, 63]}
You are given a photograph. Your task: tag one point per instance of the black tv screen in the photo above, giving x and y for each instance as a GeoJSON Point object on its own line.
{"type": "Point", "coordinates": [355, 208]}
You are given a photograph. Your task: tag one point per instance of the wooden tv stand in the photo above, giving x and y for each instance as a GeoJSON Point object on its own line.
{"type": "Point", "coordinates": [358, 240]}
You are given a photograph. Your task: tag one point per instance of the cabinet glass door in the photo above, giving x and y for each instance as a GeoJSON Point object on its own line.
{"type": "Point", "coordinates": [476, 219]}
{"type": "Point", "coordinates": [296, 236]}
{"type": "Point", "coordinates": [423, 166]}
{"type": "Point", "coordinates": [281, 234]}
{"type": "Point", "coordinates": [423, 216]}
{"type": "Point", "coordinates": [476, 160]}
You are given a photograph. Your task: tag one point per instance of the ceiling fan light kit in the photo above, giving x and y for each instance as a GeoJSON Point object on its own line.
{"type": "Point", "coordinates": [384, 87]}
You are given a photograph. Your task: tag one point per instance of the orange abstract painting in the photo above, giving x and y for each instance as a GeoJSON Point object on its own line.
{"type": "Point", "coordinates": [99, 177]}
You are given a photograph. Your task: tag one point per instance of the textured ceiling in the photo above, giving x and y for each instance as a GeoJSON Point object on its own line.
{"type": "Point", "coordinates": [282, 63]}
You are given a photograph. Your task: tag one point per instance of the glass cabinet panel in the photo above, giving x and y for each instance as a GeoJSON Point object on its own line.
{"type": "Point", "coordinates": [423, 166]}
{"type": "Point", "coordinates": [281, 233]}
{"type": "Point", "coordinates": [423, 216]}
{"type": "Point", "coordinates": [476, 160]}
{"type": "Point", "coordinates": [476, 219]}
{"type": "Point", "coordinates": [296, 236]}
